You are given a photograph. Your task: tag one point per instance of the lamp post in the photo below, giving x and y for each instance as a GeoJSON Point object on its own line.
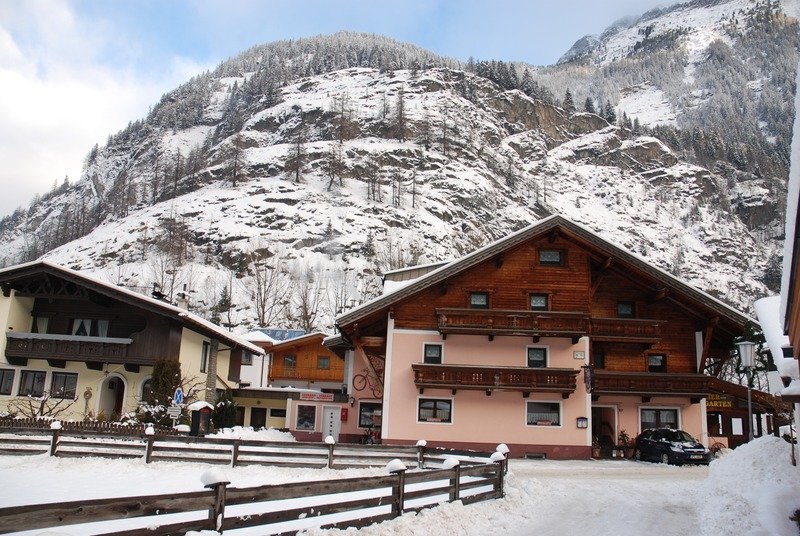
{"type": "Point", "coordinates": [746, 351]}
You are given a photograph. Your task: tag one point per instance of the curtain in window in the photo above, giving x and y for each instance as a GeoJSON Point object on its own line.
{"type": "Point", "coordinates": [41, 324]}
{"type": "Point", "coordinates": [102, 328]}
{"type": "Point", "coordinates": [82, 326]}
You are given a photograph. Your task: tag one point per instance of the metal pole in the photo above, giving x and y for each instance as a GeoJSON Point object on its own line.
{"type": "Point", "coordinates": [749, 402]}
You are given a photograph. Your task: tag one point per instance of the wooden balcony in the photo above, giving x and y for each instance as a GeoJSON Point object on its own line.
{"type": "Point", "coordinates": [22, 346]}
{"type": "Point", "coordinates": [650, 384]}
{"type": "Point", "coordinates": [496, 322]}
{"type": "Point", "coordinates": [626, 330]}
{"type": "Point", "coordinates": [488, 378]}
{"type": "Point", "coordinates": [307, 374]}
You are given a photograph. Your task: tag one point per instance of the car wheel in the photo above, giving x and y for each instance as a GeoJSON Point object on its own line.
{"type": "Point", "coordinates": [665, 458]}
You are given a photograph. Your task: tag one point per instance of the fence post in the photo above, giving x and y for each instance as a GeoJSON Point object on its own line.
{"type": "Point", "coordinates": [500, 461]}
{"type": "Point", "coordinates": [455, 482]}
{"type": "Point", "coordinates": [55, 426]}
{"type": "Point", "coordinates": [217, 512]}
{"type": "Point", "coordinates": [148, 455]}
{"type": "Point", "coordinates": [235, 452]}
{"type": "Point", "coordinates": [396, 467]}
{"type": "Point", "coordinates": [421, 453]}
{"type": "Point", "coordinates": [330, 442]}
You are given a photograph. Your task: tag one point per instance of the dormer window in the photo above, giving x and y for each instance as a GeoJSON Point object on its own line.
{"type": "Point", "coordinates": [479, 300]}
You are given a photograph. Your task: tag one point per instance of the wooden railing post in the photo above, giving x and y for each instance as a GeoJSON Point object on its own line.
{"type": "Point", "coordinates": [421, 453]}
{"type": "Point", "coordinates": [455, 482]}
{"type": "Point", "coordinates": [330, 442]}
{"type": "Point", "coordinates": [499, 459]}
{"type": "Point", "coordinates": [148, 455]}
{"type": "Point", "coordinates": [55, 426]}
{"type": "Point", "coordinates": [235, 452]}
{"type": "Point", "coordinates": [217, 512]}
{"type": "Point", "coordinates": [396, 467]}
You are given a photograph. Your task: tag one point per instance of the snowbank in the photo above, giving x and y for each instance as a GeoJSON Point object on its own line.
{"type": "Point", "coordinates": [752, 491]}
{"type": "Point", "coordinates": [239, 432]}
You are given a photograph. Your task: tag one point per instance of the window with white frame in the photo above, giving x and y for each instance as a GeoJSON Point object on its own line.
{"type": "Point", "coordinates": [543, 413]}
{"type": "Point", "coordinates": [537, 357]}
{"type": "Point", "coordinates": [435, 410]}
{"type": "Point", "coordinates": [433, 354]}
{"type": "Point", "coordinates": [659, 418]}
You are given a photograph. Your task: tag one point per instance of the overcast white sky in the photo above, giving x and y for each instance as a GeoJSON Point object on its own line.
{"type": "Point", "coordinates": [74, 71]}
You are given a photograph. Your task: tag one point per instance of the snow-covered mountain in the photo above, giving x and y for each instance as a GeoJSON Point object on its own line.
{"type": "Point", "coordinates": [275, 189]}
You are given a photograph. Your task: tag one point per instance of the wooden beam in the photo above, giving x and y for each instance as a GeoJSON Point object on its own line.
{"type": "Point", "coordinates": [707, 335]}
{"type": "Point", "coordinates": [658, 294]}
{"type": "Point", "coordinates": [552, 236]}
{"type": "Point", "coordinates": [599, 275]}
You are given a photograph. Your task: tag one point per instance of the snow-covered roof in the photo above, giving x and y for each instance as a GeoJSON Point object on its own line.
{"type": "Point", "coordinates": [789, 250]}
{"type": "Point", "coordinates": [304, 338]}
{"type": "Point", "coordinates": [161, 307]}
{"type": "Point", "coordinates": [555, 221]}
{"type": "Point", "coordinates": [768, 312]}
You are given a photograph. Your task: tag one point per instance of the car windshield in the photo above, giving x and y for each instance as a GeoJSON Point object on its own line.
{"type": "Point", "coordinates": [678, 436]}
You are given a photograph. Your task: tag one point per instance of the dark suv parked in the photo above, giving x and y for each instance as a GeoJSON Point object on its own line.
{"type": "Point", "coordinates": [670, 446]}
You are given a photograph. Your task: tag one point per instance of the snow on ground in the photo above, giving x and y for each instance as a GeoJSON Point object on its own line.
{"type": "Point", "coordinates": [751, 491]}
{"type": "Point", "coordinates": [648, 104]}
{"type": "Point", "coordinates": [247, 432]}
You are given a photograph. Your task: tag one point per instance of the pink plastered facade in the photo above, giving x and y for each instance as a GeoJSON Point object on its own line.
{"type": "Point", "coordinates": [478, 418]}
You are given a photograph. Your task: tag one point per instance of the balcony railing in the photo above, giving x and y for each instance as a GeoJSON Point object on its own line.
{"type": "Point", "coordinates": [306, 373]}
{"type": "Point", "coordinates": [525, 379]}
{"type": "Point", "coordinates": [547, 324]}
{"type": "Point", "coordinates": [626, 329]}
{"type": "Point", "coordinates": [650, 383]}
{"type": "Point", "coordinates": [70, 348]}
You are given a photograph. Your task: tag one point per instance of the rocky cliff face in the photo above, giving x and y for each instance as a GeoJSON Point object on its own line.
{"type": "Point", "coordinates": [281, 204]}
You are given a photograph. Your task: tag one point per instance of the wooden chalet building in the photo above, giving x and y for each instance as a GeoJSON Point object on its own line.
{"type": "Point", "coordinates": [295, 368]}
{"type": "Point", "coordinates": [93, 345]}
{"type": "Point", "coordinates": [543, 340]}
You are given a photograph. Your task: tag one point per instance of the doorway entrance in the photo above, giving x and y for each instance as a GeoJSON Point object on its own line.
{"type": "Point", "coordinates": [258, 418]}
{"type": "Point", "coordinates": [112, 397]}
{"type": "Point", "coordinates": [604, 424]}
{"type": "Point", "coordinates": [331, 422]}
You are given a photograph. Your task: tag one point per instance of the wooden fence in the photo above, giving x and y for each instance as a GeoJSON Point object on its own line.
{"type": "Point", "coordinates": [282, 508]}
{"type": "Point", "coordinates": [16, 424]}
{"type": "Point", "coordinates": [232, 452]}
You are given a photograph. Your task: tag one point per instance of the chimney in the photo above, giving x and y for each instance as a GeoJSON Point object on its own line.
{"type": "Point", "coordinates": [183, 298]}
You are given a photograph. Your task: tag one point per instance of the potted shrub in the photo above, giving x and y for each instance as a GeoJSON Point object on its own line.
{"type": "Point", "coordinates": [625, 445]}
{"type": "Point", "coordinates": [595, 447]}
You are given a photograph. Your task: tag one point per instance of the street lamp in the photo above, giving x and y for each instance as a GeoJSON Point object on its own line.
{"type": "Point", "coordinates": [746, 352]}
